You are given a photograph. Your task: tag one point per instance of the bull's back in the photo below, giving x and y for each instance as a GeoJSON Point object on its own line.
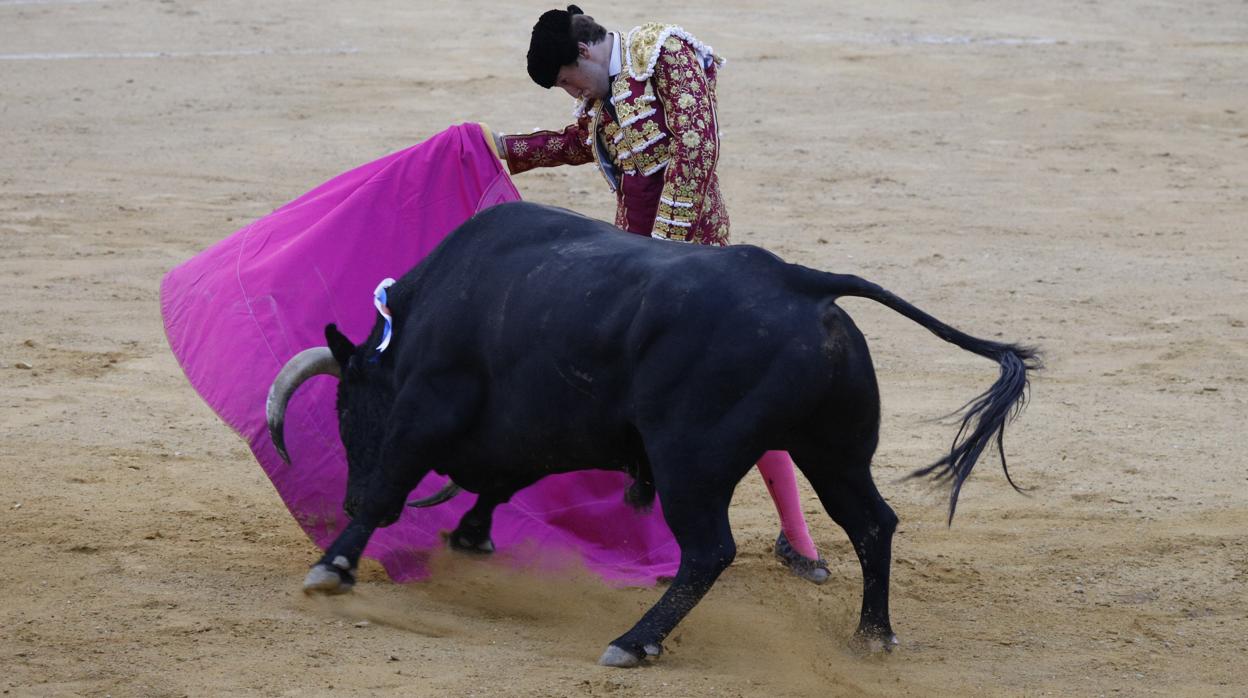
{"type": "Point", "coordinates": [507, 237]}
{"type": "Point", "coordinates": [575, 323]}
{"type": "Point", "coordinates": [522, 268]}
{"type": "Point", "coordinates": [521, 277]}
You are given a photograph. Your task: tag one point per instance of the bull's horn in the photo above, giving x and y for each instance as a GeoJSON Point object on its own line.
{"type": "Point", "coordinates": [304, 365]}
{"type": "Point", "coordinates": [442, 495]}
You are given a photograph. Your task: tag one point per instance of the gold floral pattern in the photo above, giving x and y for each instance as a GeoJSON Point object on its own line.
{"type": "Point", "coordinates": [690, 206]}
{"type": "Point", "coordinates": [660, 152]}
{"type": "Point", "coordinates": [549, 148]}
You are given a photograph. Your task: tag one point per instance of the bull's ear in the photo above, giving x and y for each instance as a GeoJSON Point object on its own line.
{"type": "Point", "coordinates": [339, 345]}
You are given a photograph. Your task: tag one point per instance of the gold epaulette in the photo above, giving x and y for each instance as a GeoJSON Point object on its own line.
{"type": "Point", "coordinates": [643, 44]}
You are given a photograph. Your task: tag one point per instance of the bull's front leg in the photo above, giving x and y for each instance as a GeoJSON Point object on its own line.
{"type": "Point", "coordinates": [699, 522]}
{"type": "Point", "coordinates": [335, 572]}
{"type": "Point", "coordinates": [377, 505]}
{"type": "Point", "coordinates": [472, 535]}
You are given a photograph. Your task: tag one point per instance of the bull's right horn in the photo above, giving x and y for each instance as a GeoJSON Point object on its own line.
{"type": "Point", "coordinates": [302, 366]}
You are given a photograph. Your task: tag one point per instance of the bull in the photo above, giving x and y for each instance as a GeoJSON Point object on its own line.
{"type": "Point", "coordinates": [536, 341]}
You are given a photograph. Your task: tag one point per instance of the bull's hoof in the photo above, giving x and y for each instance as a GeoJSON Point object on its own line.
{"type": "Point", "coordinates": [873, 643]}
{"type": "Point", "coordinates": [464, 544]}
{"type": "Point", "coordinates": [328, 580]}
{"type": "Point", "coordinates": [812, 570]}
{"type": "Point", "coordinates": [619, 657]}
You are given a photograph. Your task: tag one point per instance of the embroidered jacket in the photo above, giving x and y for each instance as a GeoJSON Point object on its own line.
{"type": "Point", "coordinates": [659, 150]}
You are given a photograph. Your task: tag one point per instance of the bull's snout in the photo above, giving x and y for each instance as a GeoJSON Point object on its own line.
{"type": "Point", "coordinates": [353, 505]}
{"type": "Point", "coordinates": [350, 505]}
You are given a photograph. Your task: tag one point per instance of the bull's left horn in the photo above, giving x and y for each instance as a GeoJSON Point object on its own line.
{"type": "Point", "coordinates": [302, 366]}
{"type": "Point", "coordinates": [443, 495]}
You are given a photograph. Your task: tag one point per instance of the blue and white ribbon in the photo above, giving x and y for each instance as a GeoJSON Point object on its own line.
{"type": "Point", "coordinates": [379, 300]}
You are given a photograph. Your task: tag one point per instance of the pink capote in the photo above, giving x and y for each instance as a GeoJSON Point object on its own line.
{"type": "Point", "coordinates": [236, 312]}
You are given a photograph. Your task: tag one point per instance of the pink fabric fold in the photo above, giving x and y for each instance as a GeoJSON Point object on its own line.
{"type": "Point", "coordinates": [236, 312]}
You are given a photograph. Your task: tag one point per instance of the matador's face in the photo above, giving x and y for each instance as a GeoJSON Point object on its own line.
{"type": "Point", "coordinates": [586, 78]}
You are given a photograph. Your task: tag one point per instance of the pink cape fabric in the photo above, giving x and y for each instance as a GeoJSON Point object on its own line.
{"type": "Point", "coordinates": [236, 312]}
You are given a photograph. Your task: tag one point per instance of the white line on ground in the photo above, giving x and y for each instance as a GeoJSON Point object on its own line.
{"type": "Point", "coordinates": [175, 54]}
{"type": "Point", "coordinates": [934, 39]}
{"type": "Point", "coordinates": [9, 3]}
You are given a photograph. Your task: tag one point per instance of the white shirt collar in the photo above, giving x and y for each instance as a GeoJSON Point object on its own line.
{"type": "Point", "coordinates": [615, 66]}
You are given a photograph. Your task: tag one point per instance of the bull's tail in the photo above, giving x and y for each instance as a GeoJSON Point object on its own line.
{"type": "Point", "coordinates": [984, 417]}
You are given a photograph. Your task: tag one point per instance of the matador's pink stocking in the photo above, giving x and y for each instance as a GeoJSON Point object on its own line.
{"type": "Point", "coordinates": [777, 469]}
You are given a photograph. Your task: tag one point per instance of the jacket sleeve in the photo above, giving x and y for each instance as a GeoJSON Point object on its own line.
{"type": "Point", "coordinates": [688, 101]}
{"type": "Point", "coordinates": [549, 148]}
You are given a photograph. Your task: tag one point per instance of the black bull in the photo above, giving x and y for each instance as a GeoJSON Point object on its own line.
{"type": "Point", "coordinates": [536, 341]}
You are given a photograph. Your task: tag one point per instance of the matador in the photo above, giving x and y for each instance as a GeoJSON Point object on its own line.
{"type": "Point", "coordinates": [645, 116]}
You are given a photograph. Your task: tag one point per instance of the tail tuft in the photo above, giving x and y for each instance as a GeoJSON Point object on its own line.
{"type": "Point", "coordinates": [984, 419]}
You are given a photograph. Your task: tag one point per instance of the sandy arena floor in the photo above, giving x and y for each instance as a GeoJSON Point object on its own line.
{"type": "Point", "coordinates": [1073, 174]}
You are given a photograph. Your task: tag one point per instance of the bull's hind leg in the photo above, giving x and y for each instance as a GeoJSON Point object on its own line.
{"type": "Point", "coordinates": [844, 485]}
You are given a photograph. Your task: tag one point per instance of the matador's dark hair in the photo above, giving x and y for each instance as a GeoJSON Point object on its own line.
{"type": "Point", "coordinates": [554, 42]}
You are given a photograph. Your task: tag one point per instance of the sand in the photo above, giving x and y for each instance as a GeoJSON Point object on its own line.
{"type": "Point", "coordinates": [1071, 174]}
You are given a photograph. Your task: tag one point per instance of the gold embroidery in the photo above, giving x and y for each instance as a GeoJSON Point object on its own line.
{"type": "Point", "coordinates": [664, 104]}
{"type": "Point", "coordinates": [642, 44]}
{"type": "Point", "coordinates": [642, 48]}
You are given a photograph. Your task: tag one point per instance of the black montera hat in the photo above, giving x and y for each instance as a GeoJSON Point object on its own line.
{"type": "Point", "coordinates": [552, 45]}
